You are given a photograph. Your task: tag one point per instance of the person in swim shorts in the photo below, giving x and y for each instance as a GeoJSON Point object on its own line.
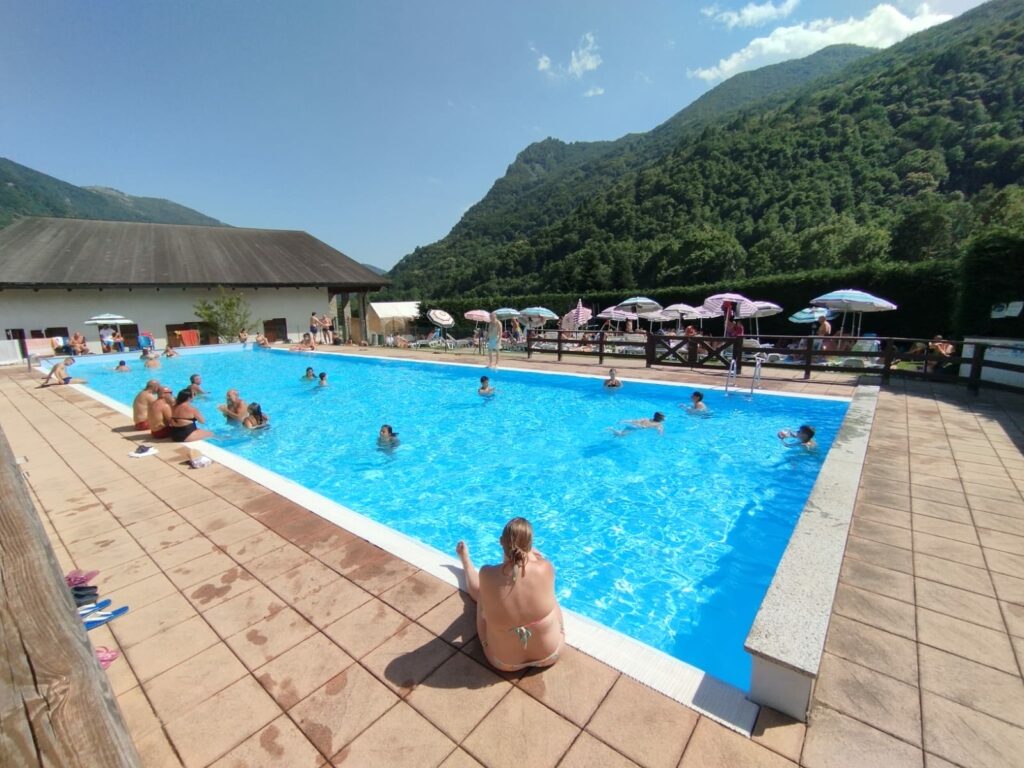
{"type": "Point", "coordinates": [141, 403]}
{"type": "Point", "coordinates": [518, 619]}
{"type": "Point", "coordinates": [159, 414]}
{"type": "Point", "coordinates": [59, 374]}
{"type": "Point", "coordinates": [493, 341]}
{"type": "Point", "coordinates": [657, 421]}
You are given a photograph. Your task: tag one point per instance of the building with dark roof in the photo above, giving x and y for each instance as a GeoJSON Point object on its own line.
{"type": "Point", "coordinates": [55, 273]}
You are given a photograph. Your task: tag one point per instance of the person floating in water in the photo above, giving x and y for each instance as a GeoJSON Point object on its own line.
{"type": "Point", "coordinates": [195, 383]}
{"type": "Point", "coordinates": [613, 381]}
{"type": "Point", "coordinates": [802, 438]}
{"type": "Point", "coordinates": [657, 421]}
{"type": "Point", "coordinates": [518, 619]}
{"type": "Point", "coordinates": [256, 418]}
{"type": "Point", "coordinates": [169, 352]}
{"type": "Point", "coordinates": [387, 438]}
{"type": "Point", "coordinates": [122, 367]}
{"type": "Point", "coordinates": [696, 403]}
{"type": "Point", "coordinates": [323, 378]}
{"type": "Point", "coordinates": [309, 375]}
{"type": "Point", "coordinates": [485, 387]}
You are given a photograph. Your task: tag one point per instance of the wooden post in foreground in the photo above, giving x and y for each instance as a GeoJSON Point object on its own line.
{"type": "Point", "coordinates": [56, 706]}
{"type": "Point", "coordinates": [977, 363]}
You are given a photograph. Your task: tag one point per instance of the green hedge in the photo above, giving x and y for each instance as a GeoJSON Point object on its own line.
{"type": "Point", "coordinates": [992, 272]}
{"type": "Point", "coordinates": [925, 293]}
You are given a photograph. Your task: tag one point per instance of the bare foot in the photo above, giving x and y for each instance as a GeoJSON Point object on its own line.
{"type": "Point", "coordinates": [463, 552]}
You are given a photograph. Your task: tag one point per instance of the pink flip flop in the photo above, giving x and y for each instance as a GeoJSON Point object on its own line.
{"type": "Point", "coordinates": [77, 578]}
{"type": "Point", "coordinates": [105, 656]}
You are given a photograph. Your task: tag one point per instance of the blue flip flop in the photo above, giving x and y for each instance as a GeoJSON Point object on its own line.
{"type": "Point", "coordinates": [101, 618]}
{"type": "Point", "coordinates": [85, 610]}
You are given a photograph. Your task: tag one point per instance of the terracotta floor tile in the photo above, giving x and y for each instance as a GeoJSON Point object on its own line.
{"type": "Point", "coordinates": [879, 554]}
{"type": "Point", "coordinates": [587, 751]}
{"type": "Point", "coordinates": [996, 522]}
{"type": "Point", "coordinates": [141, 623]}
{"type": "Point", "coordinates": [969, 738]}
{"type": "Point", "coordinates": [278, 745]}
{"type": "Point", "coordinates": [875, 610]}
{"type": "Point", "coordinates": [1013, 614]}
{"type": "Point", "coordinates": [192, 682]}
{"type": "Point", "coordinates": [458, 695]}
{"type": "Point", "coordinates": [255, 546]}
{"type": "Point", "coordinates": [278, 561]}
{"type": "Point", "coordinates": [959, 603]}
{"type": "Point", "coordinates": [200, 569]}
{"type": "Point", "coordinates": [837, 741]}
{"type": "Point", "coordinates": [138, 714]}
{"type": "Point", "coordinates": [986, 646]}
{"type": "Point", "coordinates": [998, 506]}
{"type": "Point", "coordinates": [174, 645]}
{"type": "Point", "coordinates": [337, 712]}
{"type": "Point", "coordinates": [948, 549]}
{"type": "Point", "coordinates": [243, 529]}
{"type": "Point", "coordinates": [207, 509]}
{"type": "Point", "coordinates": [379, 577]}
{"type": "Point", "coordinates": [142, 592]}
{"type": "Point", "coordinates": [169, 537]}
{"type": "Point", "coordinates": [298, 672]}
{"type": "Point", "coordinates": [369, 625]}
{"type": "Point", "coordinates": [974, 685]}
{"type": "Point", "coordinates": [270, 637]}
{"type": "Point", "coordinates": [900, 501]}
{"type": "Point", "coordinates": [956, 498]}
{"type": "Point", "coordinates": [402, 738]}
{"type": "Point", "coordinates": [946, 529]}
{"type": "Point", "coordinates": [574, 687]}
{"type": "Point", "coordinates": [645, 726]}
{"type": "Point", "coordinates": [885, 533]}
{"type": "Point", "coordinates": [155, 525]}
{"type": "Point", "coordinates": [873, 648]}
{"type": "Point", "coordinates": [220, 588]}
{"type": "Point", "coordinates": [779, 733]}
{"type": "Point", "coordinates": [223, 516]}
{"type": "Point", "coordinates": [1004, 562]}
{"type": "Point", "coordinates": [714, 746]}
{"type": "Point", "coordinates": [126, 574]}
{"type": "Point", "coordinates": [954, 574]}
{"type": "Point", "coordinates": [243, 611]}
{"type": "Point", "coordinates": [941, 511]}
{"type": "Point", "coordinates": [331, 602]}
{"type": "Point", "coordinates": [97, 524]}
{"type": "Point", "coordinates": [105, 552]}
{"type": "Point", "coordinates": [453, 620]}
{"type": "Point", "coordinates": [1008, 588]}
{"type": "Point", "coordinates": [461, 759]}
{"type": "Point", "coordinates": [319, 536]}
{"type": "Point", "coordinates": [883, 581]}
{"type": "Point", "coordinates": [937, 481]}
{"type": "Point", "coordinates": [405, 659]}
{"type": "Point", "coordinates": [873, 698]}
{"type": "Point", "coordinates": [417, 594]}
{"type": "Point", "coordinates": [865, 511]}
{"type": "Point", "coordinates": [520, 731]}
{"type": "Point", "coordinates": [302, 580]}
{"type": "Point", "coordinates": [222, 722]}
{"type": "Point", "coordinates": [1001, 491]}
{"type": "Point", "coordinates": [182, 553]}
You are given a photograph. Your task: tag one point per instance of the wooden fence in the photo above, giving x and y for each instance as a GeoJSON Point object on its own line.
{"type": "Point", "coordinates": [56, 706]}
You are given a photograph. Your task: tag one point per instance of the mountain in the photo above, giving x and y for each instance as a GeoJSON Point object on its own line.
{"type": "Point", "coordinates": [26, 192]}
{"type": "Point", "coordinates": [375, 269]}
{"type": "Point", "coordinates": [902, 155]}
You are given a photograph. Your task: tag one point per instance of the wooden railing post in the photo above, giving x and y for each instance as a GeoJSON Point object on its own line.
{"type": "Point", "coordinates": [558, 343]}
{"type": "Point", "coordinates": [808, 357]}
{"type": "Point", "coordinates": [890, 354]}
{"type": "Point", "coordinates": [737, 353]}
{"type": "Point", "coordinates": [649, 352]}
{"type": "Point", "coordinates": [529, 343]}
{"type": "Point", "coordinates": [977, 364]}
{"type": "Point", "coordinates": [600, 347]}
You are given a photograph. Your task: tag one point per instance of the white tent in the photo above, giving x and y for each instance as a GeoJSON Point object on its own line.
{"type": "Point", "coordinates": [392, 317]}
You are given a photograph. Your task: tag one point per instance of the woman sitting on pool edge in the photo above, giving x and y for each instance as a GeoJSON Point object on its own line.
{"type": "Point", "coordinates": [184, 419]}
{"type": "Point", "coordinates": [518, 618]}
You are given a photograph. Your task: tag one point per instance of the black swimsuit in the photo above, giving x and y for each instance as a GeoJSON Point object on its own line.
{"type": "Point", "coordinates": [180, 434]}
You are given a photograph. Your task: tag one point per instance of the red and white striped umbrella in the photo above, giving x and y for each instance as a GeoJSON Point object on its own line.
{"type": "Point", "coordinates": [478, 316]}
{"type": "Point", "coordinates": [575, 318]}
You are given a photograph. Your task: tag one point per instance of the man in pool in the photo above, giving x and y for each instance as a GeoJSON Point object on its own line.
{"type": "Point", "coordinates": [696, 403]}
{"type": "Point", "coordinates": [486, 390]}
{"type": "Point", "coordinates": [234, 408]}
{"type": "Point", "coordinates": [141, 403]}
{"type": "Point", "coordinates": [613, 381]}
{"type": "Point", "coordinates": [195, 383]}
{"type": "Point", "coordinates": [802, 438]}
{"type": "Point", "coordinates": [169, 352]}
{"type": "Point", "coordinates": [657, 421]}
{"type": "Point", "coordinates": [122, 367]}
{"type": "Point", "coordinates": [59, 374]}
{"type": "Point", "coordinates": [150, 358]}
{"type": "Point", "coordinates": [323, 378]}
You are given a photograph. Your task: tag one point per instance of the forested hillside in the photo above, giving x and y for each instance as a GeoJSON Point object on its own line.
{"type": "Point", "coordinates": [26, 192]}
{"type": "Point", "coordinates": [903, 155]}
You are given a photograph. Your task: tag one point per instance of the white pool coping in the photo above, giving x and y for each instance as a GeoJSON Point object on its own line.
{"type": "Point", "coordinates": [672, 677]}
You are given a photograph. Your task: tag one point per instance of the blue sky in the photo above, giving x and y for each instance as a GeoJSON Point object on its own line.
{"type": "Point", "coordinates": [372, 125]}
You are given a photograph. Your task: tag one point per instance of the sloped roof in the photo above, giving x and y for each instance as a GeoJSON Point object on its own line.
{"type": "Point", "coordinates": [67, 253]}
{"type": "Point", "coordinates": [387, 310]}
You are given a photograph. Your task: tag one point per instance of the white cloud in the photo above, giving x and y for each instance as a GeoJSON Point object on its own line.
{"type": "Point", "coordinates": [882, 27]}
{"type": "Point", "coordinates": [543, 63]}
{"type": "Point", "coordinates": [585, 58]}
{"type": "Point", "coordinates": [596, 90]}
{"type": "Point", "coordinates": [752, 14]}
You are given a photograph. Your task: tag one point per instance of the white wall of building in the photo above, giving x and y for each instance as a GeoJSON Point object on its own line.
{"type": "Point", "coordinates": [153, 310]}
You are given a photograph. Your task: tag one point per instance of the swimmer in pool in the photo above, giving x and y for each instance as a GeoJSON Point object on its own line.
{"type": "Point", "coordinates": [387, 438]}
{"type": "Point", "coordinates": [486, 390]}
{"type": "Point", "coordinates": [696, 403]}
{"type": "Point", "coordinates": [802, 438]}
{"type": "Point", "coordinates": [309, 375]}
{"type": "Point", "coordinates": [122, 367]}
{"type": "Point", "coordinates": [657, 421]}
{"type": "Point", "coordinates": [323, 378]}
{"type": "Point", "coordinates": [612, 382]}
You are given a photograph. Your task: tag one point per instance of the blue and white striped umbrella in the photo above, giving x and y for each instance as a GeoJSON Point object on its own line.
{"type": "Point", "coordinates": [851, 300]}
{"type": "Point", "coordinates": [506, 313]}
{"type": "Point", "coordinates": [811, 315]}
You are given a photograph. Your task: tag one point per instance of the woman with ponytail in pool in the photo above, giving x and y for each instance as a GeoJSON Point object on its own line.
{"type": "Point", "coordinates": [518, 618]}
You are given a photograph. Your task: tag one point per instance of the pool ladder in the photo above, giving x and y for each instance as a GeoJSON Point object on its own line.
{"type": "Point", "coordinates": [730, 377]}
{"type": "Point", "coordinates": [755, 380]}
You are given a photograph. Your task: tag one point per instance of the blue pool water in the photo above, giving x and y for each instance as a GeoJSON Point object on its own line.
{"type": "Point", "coordinates": [671, 539]}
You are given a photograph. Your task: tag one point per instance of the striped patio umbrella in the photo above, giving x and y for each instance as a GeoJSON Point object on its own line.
{"type": "Point", "coordinates": [478, 316]}
{"type": "Point", "coordinates": [576, 317]}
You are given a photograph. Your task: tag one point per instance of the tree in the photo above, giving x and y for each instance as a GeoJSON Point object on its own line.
{"type": "Point", "coordinates": [227, 315]}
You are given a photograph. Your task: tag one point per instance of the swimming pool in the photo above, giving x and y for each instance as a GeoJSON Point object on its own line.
{"type": "Point", "coordinates": [670, 539]}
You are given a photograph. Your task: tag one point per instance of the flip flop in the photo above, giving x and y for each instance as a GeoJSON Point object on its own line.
{"type": "Point", "coordinates": [83, 600]}
{"type": "Point", "coordinates": [89, 608]}
{"type": "Point", "coordinates": [77, 578]}
{"type": "Point", "coordinates": [105, 656]}
{"type": "Point", "coordinates": [84, 589]}
{"type": "Point", "coordinates": [102, 617]}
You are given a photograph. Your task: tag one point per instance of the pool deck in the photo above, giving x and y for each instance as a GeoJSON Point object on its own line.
{"type": "Point", "coordinates": [261, 635]}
